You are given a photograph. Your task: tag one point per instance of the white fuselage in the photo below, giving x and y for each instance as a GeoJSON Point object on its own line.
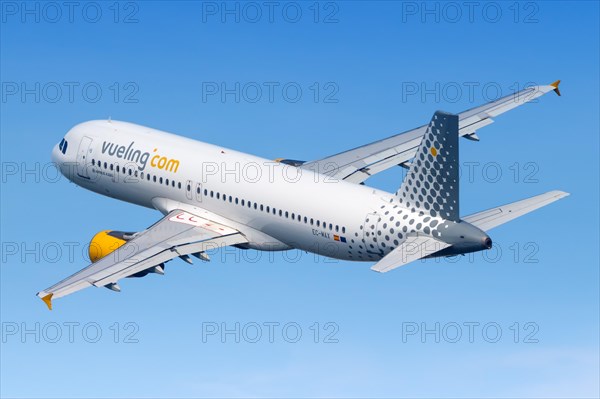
{"type": "Point", "coordinates": [275, 205]}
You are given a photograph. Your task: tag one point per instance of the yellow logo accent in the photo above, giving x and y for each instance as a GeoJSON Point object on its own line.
{"type": "Point", "coordinates": [165, 163]}
{"type": "Point", "coordinates": [433, 151]}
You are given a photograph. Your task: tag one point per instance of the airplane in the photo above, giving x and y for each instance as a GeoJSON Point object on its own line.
{"type": "Point", "coordinates": [211, 197]}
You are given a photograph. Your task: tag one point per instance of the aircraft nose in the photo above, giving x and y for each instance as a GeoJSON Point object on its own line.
{"type": "Point", "coordinates": [59, 158]}
{"type": "Point", "coordinates": [55, 156]}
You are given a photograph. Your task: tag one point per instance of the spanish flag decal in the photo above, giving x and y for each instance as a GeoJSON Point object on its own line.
{"type": "Point", "coordinates": [338, 238]}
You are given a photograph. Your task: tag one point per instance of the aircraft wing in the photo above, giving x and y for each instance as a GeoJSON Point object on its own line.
{"type": "Point", "coordinates": [179, 233]}
{"type": "Point", "coordinates": [358, 164]}
{"type": "Point", "coordinates": [494, 217]}
{"type": "Point", "coordinates": [414, 248]}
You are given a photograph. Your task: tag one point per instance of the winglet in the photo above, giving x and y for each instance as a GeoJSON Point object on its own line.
{"type": "Point", "coordinates": [48, 301]}
{"type": "Point", "coordinates": [555, 85]}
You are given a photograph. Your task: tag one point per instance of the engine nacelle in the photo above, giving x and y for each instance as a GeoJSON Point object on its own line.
{"type": "Point", "coordinates": [106, 242]}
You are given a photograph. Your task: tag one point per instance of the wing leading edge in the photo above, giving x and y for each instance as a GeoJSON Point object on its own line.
{"type": "Point", "coordinates": [360, 163]}
{"type": "Point", "coordinates": [177, 234]}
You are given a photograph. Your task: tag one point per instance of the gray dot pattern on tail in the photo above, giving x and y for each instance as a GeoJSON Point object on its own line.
{"type": "Point", "coordinates": [390, 227]}
{"type": "Point", "coordinates": [427, 201]}
{"type": "Point", "coordinates": [431, 184]}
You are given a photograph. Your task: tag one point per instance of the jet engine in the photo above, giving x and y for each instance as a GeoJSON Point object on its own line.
{"type": "Point", "coordinates": [106, 242]}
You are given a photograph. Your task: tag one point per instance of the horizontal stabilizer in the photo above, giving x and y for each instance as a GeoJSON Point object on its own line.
{"type": "Point", "coordinates": [414, 248]}
{"type": "Point", "coordinates": [494, 217]}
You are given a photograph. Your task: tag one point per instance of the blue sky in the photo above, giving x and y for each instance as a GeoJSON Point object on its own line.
{"type": "Point", "coordinates": [365, 71]}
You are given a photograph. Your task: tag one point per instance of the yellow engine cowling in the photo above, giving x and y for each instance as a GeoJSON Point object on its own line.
{"type": "Point", "coordinates": [105, 242]}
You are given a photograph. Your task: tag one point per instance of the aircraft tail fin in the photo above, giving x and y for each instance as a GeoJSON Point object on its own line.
{"type": "Point", "coordinates": [431, 184]}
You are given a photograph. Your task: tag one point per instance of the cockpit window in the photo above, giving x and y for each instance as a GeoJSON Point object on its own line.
{"type": "Point", "coordinates": [63, 146]}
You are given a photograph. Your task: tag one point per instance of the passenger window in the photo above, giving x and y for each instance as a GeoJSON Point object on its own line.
{"type": "Point", "coordinates": [167, 182]}
{"type": "Point", "coordinates": [311, 221]}
{"type": "Point", "coordinates": [154, 179]}
{"type": "Point", "coordinates": [179, 185]}
{"type": "Point", "coordinates": [343, 229]}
